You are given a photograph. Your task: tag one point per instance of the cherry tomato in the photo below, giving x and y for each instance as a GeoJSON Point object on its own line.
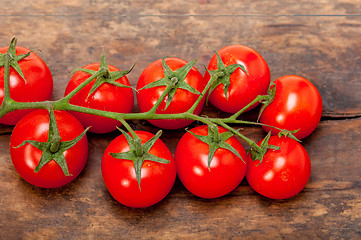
{"type": "Point", "coordinates": [37, 86]}
{"type": "Point", "coordinates": [226, 170]}
{"type": "Point", "coordinates": [182, 100]}
{"type": "Point", "coordinates": [243, 88]}
{"type": "Point", "coordinates": [119, 175]}
{"type": "Point", "coordinates": [297, 105]}
{"type": "Point", "coordinates": [35, 126]}
{"type": "Point", "coordinates": [107, 97]}
{"type": "Point", "coordinates": [282, 173]}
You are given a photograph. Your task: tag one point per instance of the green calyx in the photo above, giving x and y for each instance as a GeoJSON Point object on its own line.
{"type": "Point", "coordinates": [13, 58]}
{"type": "Point", "coordinates": [222, 75]}
{"type": "Point", "coordinates": [54, 148]}
{"type": "Point", "coordinates": [267, 99]}
{"type": "Point", "coordinates": [289, 134]}
{"type": "Point", "coordinates": [216, 140]}
{"type": "Point", "coordinates": [105, 75]}
{"type": "Point", "coordinates": [174, 80]}
{"type": "Point", "coordinates": [260, 153]}
{"type": "Point", "coordinates": [139, 152]}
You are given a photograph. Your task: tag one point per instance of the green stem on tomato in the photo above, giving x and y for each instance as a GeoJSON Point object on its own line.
{"type": "Point", "coordinates": [169, 87]}
{"type": "Point", "coordinates": [129, 128]}
{"type": "Point", "coordinates": [248, 140]}
{"type": "Point", "coordinates": [7, 76]}
{"type": "Point", "coordinates": [137, 140]}
{"type": "Point", "coordinates": [259, 98]}
{"type": "Point", "coordinates": [102, 71]}
{"type": "Point", "coordinates": [7, 99]}
{"type": "Point", "coordinates": [236, 121]}
{"type": "Point", "coordinates": [205, 90]}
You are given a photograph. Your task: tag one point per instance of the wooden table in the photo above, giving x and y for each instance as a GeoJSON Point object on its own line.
{"type": "Point", "coordinates": [319, 40]}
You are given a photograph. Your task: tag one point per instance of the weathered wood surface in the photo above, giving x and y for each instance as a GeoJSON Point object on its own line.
{"type": "Point", "coordinates": [319, 40]}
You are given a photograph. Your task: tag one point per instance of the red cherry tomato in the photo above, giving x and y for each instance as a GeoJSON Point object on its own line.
{"type": "Point", "coordinates": [119, 175]}
{"type": "Point", "coordinates": [226, 169]}
{"type": "Point", "coordinates": [35, 126]}
{"type": "Point", "coordinates": [243, 88]}
{"type": "Point", "coordinates": [37, 86]}
{"type": "Point", "coordinates": [282, 173]}
{"type": "Point", "coordinates": [297, 105]}
{"type": "Point", "coordinates": [182, 100]}
{"type": "Point", "coordinates": [107, 97]}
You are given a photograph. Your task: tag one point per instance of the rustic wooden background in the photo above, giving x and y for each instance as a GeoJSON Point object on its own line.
{"type": "Point", "coordinates": [319, 40]}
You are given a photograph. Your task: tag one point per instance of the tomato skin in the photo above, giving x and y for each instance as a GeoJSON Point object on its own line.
{"type": "Point", "coordinates": [243, 88]}
{"type": "Point", "coordinates": [297, 105]}
{"type": "Point", "coordinates": [182, 100]}
{"type": "Point", "coordinates": [35, 126]}
{"type": "Point", "coordinates": [226, 170]}
{"type": "Point", "coordinates": [157, 179]}
{"type": "Point", "coordinates": [283, 173]}
{"type": "Point", "coordinates": [107, 97]}
{"type": "Point", "coordinates": [38, 86]}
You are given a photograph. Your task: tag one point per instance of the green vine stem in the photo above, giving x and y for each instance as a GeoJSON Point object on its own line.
{"type": "Point", "coordinates": [7, 77]}
{"type": "Point", "coordinates": [7, 102]}
{"type": "Point", "coordinates": [204, 92]}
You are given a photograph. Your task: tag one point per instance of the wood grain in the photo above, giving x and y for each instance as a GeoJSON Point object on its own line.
{"type": "Point", "coordinates": [324, 49]}
{"type": "Point", "coordinates": [328, 208]}
{"type": "Point", "coordinates": [319, 40]}
{"type": "Point", "coordinates": [186, 7]}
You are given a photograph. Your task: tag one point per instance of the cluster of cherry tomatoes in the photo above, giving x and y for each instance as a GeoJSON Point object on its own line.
{"type": "Point", "coordinates": [210, 162]}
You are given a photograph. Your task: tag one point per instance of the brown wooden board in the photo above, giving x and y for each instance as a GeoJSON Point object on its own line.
{"type": "Point", "coordinates": [319, 40]}
{"type": "Point", "coordinates": [323, 48]}
{"type": "Point", "coordinates": [328, 208]}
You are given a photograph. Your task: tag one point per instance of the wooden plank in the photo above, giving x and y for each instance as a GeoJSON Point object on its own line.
{"type": "Point", "coordinates": [326, 50]}
{"type": "Point", "coordinates": [186, 7]}
{"type": "Point", "coordinates": [318, 40]}
{"type": "Point", "coordinates": [329, 207]}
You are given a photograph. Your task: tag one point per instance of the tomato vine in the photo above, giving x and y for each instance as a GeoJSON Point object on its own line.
{"type": "Point", "coordinates": [172, 81]}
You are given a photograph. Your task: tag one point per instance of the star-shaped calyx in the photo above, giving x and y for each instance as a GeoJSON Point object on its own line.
{"type": "Point", "coordinates": [14, 59]}
{"type": "Point", "coordinates": [54, 148]}
{"type": "Point", "coordinates": [106, 77]}
{"type": "Point", "coordinates": [222, 75]}
{"type": "Point", "coordinates": [175, 79]}
{"type": "Point", "coordinates": [139, 153]}
{"type": "Point", "coordinates": [267, 99]}
{"type": "Point", "coordinates": [216, 140]}
{"type": "Point", "coordinates": [259, 154]}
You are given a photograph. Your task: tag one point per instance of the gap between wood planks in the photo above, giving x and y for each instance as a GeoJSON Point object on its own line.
{"type": "Point", "coordinates": [179, 15]}
{"type": "Point", "coordinates": [341, 116]}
